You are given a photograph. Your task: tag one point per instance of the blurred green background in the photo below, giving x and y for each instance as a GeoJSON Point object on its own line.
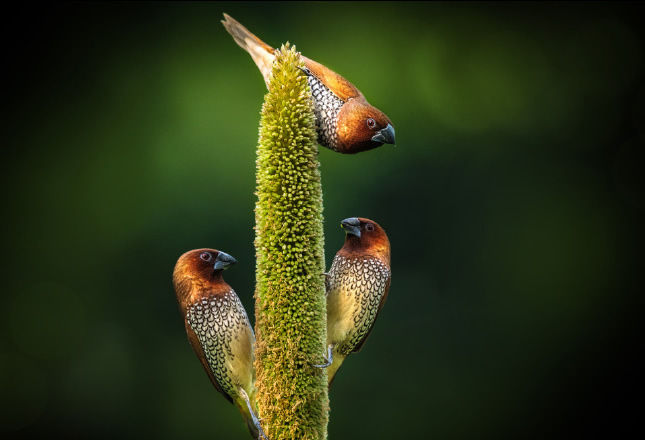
{"type": "Point", "coordinates": [513, 200]}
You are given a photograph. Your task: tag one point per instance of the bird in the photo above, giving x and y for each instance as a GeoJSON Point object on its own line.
{"type": "Point", "coordinates": [218, 328]}
{"type": "Point", "coordinates": [345, 121]}
{"type": "Point", "coordinates": [357, 286]}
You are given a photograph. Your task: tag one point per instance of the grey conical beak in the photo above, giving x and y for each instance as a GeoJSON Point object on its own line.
{"type": "Point", "coordinates": [223, 261]}
{"type": "Point", "coordinates": [385, 135]}
{"type": "Point", "coordinates": [352, 226]}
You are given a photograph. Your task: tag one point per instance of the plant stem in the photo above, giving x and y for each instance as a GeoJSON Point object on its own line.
{"type": "Point", "coordinates": [290, 294]}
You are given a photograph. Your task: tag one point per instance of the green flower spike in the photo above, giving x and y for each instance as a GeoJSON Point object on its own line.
{"type": "Point", "coordinates": [290, 293]}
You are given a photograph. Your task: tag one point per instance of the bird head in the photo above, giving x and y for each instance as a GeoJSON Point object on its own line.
{"type": "Point", "coordinates": [364, 235]}
{"type": "Point", "coordinates": [362, 127]}
{"type": "Point", "coordinates": [200, 266]}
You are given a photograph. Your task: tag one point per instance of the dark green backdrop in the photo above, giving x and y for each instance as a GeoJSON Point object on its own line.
{"type": "Point", "coordinates": [513, 200]}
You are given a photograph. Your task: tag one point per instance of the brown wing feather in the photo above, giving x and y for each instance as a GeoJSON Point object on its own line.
{"type": "Point", "coordinates": [333, 81]}
{"type": "Point", "coordinates": [197, 346]}
{"type": "Point", "coordinates": [380, 306]}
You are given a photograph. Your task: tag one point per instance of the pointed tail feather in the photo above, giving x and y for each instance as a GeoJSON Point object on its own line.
{"type": "Point", "coordinates": [252, 429]}
{"type": "Point", "coordinates": [261, 52]}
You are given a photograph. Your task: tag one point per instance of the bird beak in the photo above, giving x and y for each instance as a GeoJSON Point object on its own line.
{"type": "Point", "coordinates": [223, 261]}
{"type": "Point", "coordinates": [385, 135]}
{"type": "Point", "coordinates": [352, 226]}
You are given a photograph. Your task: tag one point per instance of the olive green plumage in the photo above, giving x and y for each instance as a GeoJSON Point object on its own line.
{"type": "Point", "coordinates": [290, 291]}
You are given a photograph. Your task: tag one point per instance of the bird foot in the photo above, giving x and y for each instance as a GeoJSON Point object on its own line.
{"type": "Point", "coordinates": [328, 360]}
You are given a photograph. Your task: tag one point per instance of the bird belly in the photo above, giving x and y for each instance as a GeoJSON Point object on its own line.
{"type": "Point", "coordinates": [341, 310]}
{"type": "Point", "coordinates": [241, 363]}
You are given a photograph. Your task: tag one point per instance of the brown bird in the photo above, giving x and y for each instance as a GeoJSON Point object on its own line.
{"type": "Point", "coordinates": [218, 328]}
{"type": "Point", "coordinates": [345, 121]}
{"type": "Point", "coordinates": [357, 285]}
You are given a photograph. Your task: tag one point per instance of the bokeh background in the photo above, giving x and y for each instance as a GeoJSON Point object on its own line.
{"type": "Point", "coordinates": [513, 200]}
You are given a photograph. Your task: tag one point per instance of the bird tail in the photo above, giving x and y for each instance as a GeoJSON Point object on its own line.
{"type": "Point", "coordinates": [261, 52]}
{"type": "Point", "coordinates": [248, 418]}
{"type": "Point", "coordinates": [333, 368]}
{"type": "Point", "coordinates": [243, 402]}
{"type": "Point", "coordinates": [255, 433]}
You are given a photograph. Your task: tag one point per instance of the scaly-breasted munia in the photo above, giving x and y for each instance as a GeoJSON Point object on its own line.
{"type": "Point", "coordinates": [345, 121]}
{"type": "Point", "coordinates": [357, 285]}
{"type": "Point", "coordinates": [218, 328]}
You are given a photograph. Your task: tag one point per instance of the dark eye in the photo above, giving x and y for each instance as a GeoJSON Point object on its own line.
{"type": "Point", "coordinates": [371, 123]}
{"type": "Point", "coordinates": [369, 227]}
{"type": "Point", "coordinates": [205, 256]}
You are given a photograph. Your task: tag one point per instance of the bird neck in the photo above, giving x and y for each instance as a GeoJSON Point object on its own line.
{"type": "Point", "coordinates": [216, 276]}
{"type": "Point", "coordinates": [355, 247]}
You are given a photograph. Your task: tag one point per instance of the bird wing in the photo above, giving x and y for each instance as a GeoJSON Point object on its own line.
{"type": "Point", "coordinates": [333, 81]}
{"type": "Point", "coordinates": [197, 346]}
{"type": "Point", "coordinates": [360, 343]}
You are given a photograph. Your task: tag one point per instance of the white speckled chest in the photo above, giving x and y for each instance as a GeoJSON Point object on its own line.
{"type": "Point", "coordinates": [326, 108]}
{"type": "Point", "coordinates": [356, 288]}
{"type": "Point", "coordinates": [219, 322]}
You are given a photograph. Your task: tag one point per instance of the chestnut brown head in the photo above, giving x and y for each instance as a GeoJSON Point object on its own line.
{"type": "Point", "coordinates": [365, 236]}
{"type": "Point", "coordinates": [200, 268]}
{"type": "Point", "coordinates": [362, 127]}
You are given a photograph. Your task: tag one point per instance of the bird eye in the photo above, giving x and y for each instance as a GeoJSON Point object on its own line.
{"type": "Point", "coordinates": [205, 256]}
{"type": "Point", "coordinates": [371, 123]}
{"type": "Point", "coordinates": [369, 227]}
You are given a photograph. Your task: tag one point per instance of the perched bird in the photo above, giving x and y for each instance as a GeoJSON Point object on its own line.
{"type": "Point", "coordinates": [345, 121]}
{"type": "Point", "coordinates": [218, 328]}
{"type": "Point", "coordinates": [357, 285]}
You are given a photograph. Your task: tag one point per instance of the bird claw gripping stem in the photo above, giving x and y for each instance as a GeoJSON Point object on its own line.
{"type": "Point", "coordinates": [256, 420]}
{"type": "Point", "coordinates": [328, 360]}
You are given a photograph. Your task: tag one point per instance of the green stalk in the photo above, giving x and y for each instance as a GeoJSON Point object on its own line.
{"type": "Point", "coordinates": [290, 303]}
